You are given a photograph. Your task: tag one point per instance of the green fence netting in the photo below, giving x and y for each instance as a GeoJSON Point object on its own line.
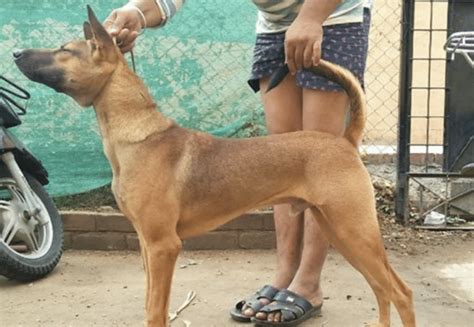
{"type": "Point", "coordinates": [196, 67]}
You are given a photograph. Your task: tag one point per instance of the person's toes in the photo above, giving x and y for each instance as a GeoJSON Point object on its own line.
{"type": "Point", "coordinates": [261, 316]}
{"type": "Point", "coordinates": [249, 312]}
{"type": "Point", "coordinates": [277, 317]}
{"type": "Point", "coordinates": [271, 317]}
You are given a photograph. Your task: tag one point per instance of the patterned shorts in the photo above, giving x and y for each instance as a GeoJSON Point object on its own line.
{"type": "Point", "coordinates": [343, 44]}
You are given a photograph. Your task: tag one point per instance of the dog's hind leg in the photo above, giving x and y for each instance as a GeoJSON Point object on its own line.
{"type": "Point", "coordinates": [403, 299]}
{"type": "Point", "coordinates": [352, 227]}
{"type": "Point", "coordinates": [360, 256]}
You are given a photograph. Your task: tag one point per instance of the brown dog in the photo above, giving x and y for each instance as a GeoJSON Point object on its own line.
{"type": "Point", "coordinates": [173, 183]}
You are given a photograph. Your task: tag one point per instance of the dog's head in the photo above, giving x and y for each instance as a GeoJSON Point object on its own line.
{"type": "Point", "coordinates": [78, 68]}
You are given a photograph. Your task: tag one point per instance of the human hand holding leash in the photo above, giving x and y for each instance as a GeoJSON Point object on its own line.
{"type": "Point", "coordinates": [127, 22]}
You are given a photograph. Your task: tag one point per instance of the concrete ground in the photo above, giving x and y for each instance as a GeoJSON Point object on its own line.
{"type": "Point", "coordinates": [107, 289]}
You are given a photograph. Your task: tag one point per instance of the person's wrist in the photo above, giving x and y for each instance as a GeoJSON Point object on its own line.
{"type": "Point", "coordinates": [140, 16]}
{"type": "Point", "coordinates": [310, 19]}
{"type": "Point", "coordinates": [151, 12]}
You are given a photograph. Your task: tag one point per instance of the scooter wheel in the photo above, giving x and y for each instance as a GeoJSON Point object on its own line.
{"type": "Point", "coordinates": [28, 250]}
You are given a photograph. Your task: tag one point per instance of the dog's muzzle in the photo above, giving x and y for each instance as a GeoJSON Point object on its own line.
{"type": "Point", "coordinates": [39, 67]}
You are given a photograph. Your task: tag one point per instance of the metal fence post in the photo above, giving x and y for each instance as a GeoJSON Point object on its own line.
{"type": "Point", "coordinates": [403, 147]}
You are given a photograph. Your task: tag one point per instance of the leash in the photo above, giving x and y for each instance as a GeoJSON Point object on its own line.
{"type": "Point", "coordinates": [144, 26]}
{"type": "Point", "coordinates": [132, 56]}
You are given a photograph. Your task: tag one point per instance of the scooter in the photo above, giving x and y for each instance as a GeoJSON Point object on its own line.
{"type": "Point", "coordinates": [31, 230]}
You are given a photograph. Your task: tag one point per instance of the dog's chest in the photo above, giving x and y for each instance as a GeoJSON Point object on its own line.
{"type": "Point", "coordinates": [110, 154]}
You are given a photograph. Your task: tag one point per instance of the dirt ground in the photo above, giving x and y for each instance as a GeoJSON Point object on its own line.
{"type": "Point", "coordinates": [107, 288]}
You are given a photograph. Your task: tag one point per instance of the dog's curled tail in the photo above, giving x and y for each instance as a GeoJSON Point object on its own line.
{"type": "Point", "coordinates": [354, 130]}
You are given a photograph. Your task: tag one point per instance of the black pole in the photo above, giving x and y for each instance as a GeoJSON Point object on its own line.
{"type": "Point", "coordinates": [404, 110]}
{"type": "Point", "coordinates": [447, 99]}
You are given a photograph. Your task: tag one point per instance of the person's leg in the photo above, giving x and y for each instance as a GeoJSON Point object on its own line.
{"type": "Point", "coordinates": [283, 114]}
{"type": "Point", "coordinates": [324, 112]}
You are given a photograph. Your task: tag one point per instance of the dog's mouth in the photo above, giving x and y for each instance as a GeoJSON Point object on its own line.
{"type": "Point", "coordinates": [38, 67]}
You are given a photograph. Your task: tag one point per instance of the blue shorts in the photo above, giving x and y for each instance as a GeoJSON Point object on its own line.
{"type": "Point", "coordinates": [343, 44]}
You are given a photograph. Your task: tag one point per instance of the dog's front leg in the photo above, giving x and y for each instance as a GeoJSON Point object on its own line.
{"type": "Point", "coordinates": [160, 258]}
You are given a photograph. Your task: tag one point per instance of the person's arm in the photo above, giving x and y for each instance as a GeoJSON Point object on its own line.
{"type": "Point", "coordinates": [304, 36]}
{"type": "Point", "coordinates": [126, 22]}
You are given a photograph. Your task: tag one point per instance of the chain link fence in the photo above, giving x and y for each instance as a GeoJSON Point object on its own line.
{"type": "Point", "coordinates": [196, 68]}
{"type": "Point", "coordinates": [382, 78]}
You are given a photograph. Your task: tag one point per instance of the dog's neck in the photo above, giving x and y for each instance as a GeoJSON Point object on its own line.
{"type": "Point", "coordinates": [125, 110]}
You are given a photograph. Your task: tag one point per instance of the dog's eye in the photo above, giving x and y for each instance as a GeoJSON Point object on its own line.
{"type": "Point", "coordinates": [62, 48]}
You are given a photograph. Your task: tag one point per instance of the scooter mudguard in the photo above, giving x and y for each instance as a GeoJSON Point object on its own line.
{"type": "Point", "coordinates": [25, 159]}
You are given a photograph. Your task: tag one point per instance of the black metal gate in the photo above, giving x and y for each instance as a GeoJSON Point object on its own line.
{"type": "Point", "coordinates": [456, 152]}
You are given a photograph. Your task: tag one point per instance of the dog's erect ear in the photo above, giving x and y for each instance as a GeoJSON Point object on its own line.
{"type": "Point", "coordinates": [87, 31]}
{"type": "Point", "coordinates": [99, 33]}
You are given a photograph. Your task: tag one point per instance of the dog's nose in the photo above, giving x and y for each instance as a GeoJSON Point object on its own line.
{"type": "Point", "coordinates": [17, 54]}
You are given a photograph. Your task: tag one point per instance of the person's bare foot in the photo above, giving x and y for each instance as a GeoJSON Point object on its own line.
{"type": "Point", "coordinates": [246, 309]}
{"type": "Point", "coordinates": [315, 297]}
{"type": "Point", "coordinates": [249, 312]}
{"type": "Point", "coordinates": [282, 280]}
